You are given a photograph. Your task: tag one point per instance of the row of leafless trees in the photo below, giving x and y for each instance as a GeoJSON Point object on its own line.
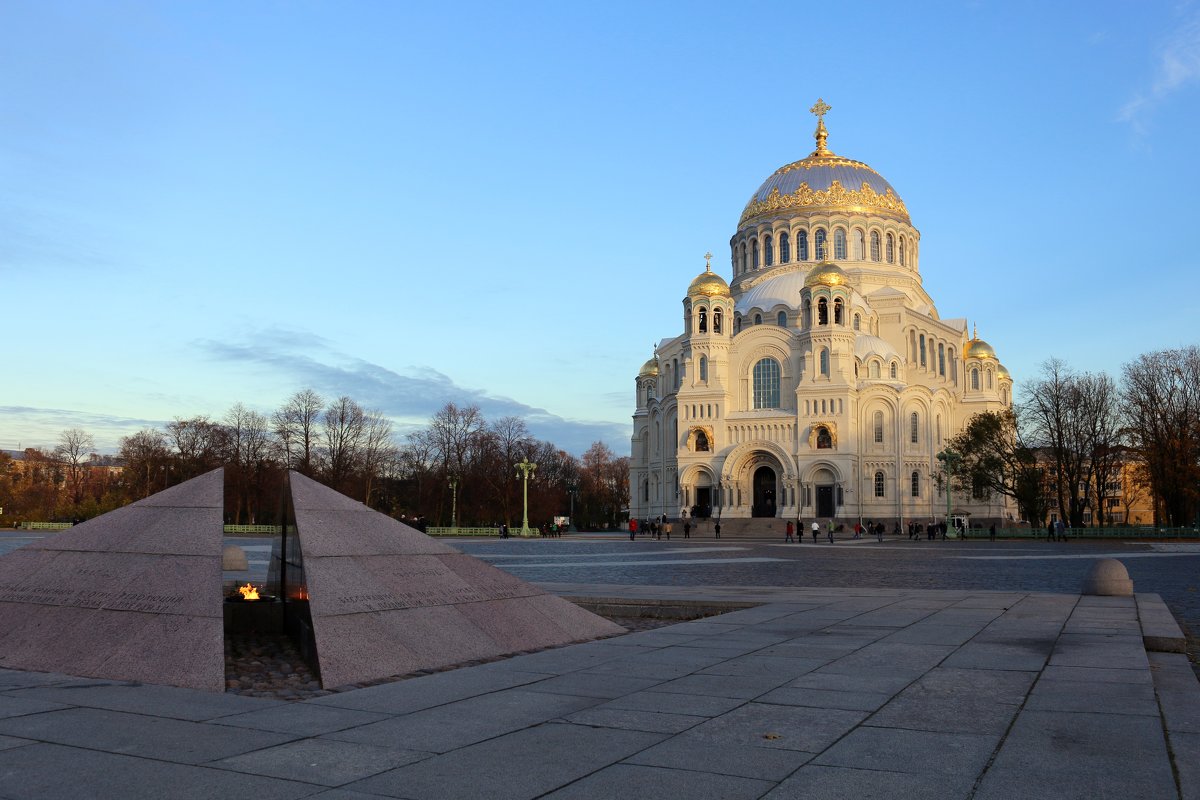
{"type": "Point", "coordinates": [1081, 439]}
{"type": "Point", "coordinates": [459, 469]}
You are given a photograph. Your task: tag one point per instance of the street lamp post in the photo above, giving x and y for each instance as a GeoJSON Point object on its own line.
{"type": "Point", "coordinates": [525, 468]}
{"type": "Point", "coordinates": [572, 490]}
{"type": "Point", "coordinates": [720, 500]}
{"type": "Point", "coordinates": [949, 460]}
{"type": "Point", "coordinates": [453, 484]}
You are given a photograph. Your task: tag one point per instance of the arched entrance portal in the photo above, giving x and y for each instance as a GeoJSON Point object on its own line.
{"type": "Point", "coordinates": [764, 493]}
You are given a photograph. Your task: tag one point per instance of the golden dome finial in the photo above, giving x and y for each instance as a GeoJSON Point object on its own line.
{"type": "Point", "coordinates": [821, 108]}
{"type": "Point", "coordinates": [975, 331]}
{"type": "Point", "coordinates": [708, 261]}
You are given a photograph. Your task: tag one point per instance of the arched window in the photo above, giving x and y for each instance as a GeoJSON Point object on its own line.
{"type": "Point", "coordinates": [716, 320]}
{"type": "Point", "coordinates": [892, 371]}
{"type": "Point", "coordinates": [989, 378]}
{"type": "Point", "coordinates": [675, 371]}
{"type": "Point", "coordinates": [857, 322]}
{"type": "Point", "coordinates": [939, 428]}
{"type": "Point", "coordinates": [902, 252]}
{"type": "Point", "coordinates": [702, 442]}
{"type": "Point", "coordinates": [766, 383]}
{"type": "Point", "coordinates": [953, 367]}
{"type": "Point", "coordinates": [781, 318]}
{"type": "Point", "coordinates": [769, 252]}
{"type": "Point", "coordinates": [737, 323]}
{"type": "Point", "coordinates": [822, 312]}
{"type": "Point", "coordinates": [874, 245]}
{"type": "Point", "coordinates": [922, 349]}
{"type": "Point", "coordinates": [916, 484]}
{"type": "Point", "coordinates": [941, 359]}
{"type": "Point", "coordinates": [879, 484]}
{"type": "Point", "coordinates": [891, 249]}
{"type": "Point", "coordinates": [825, 362]}
{"type": "Point", "coordinates": [703, 326]}
{"type": "Point", "coordinates": [754, 254]}
{"type": "Point", "coordinates": [839, 243]}
{"type": "Point", "coordinates": [824, 440]}
{"type": "Point", "coordinates": [808, 313]}
{"type": "Point", "coordinates": [802, 245]}
{"type": "Point", "coordinates": [758, 319]}
{"type": "Point", "coordinates": [785, 248]}
{"type": "Point", "coordinates": [819, 239]}
{"type": "Point", "coordinates": [878, 427]}
{"type": "Point", "coordinates": [703, 369]}
{"type": "Point", "coordinates": [744, 262]}
{"type": "Point", "coordinates": [975, 378]}
{"type": "Point", "coordinates": [914, 428]}
{"type": "Point", "coordinates": [860, 250]}
{"type": "Point", "coordinates": [874, 369]}
{"type": "Point", "coordinates": [838, 318]}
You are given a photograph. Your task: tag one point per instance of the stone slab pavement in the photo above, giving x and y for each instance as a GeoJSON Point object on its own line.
{"type": "Point", "coordinates": [816, 693]}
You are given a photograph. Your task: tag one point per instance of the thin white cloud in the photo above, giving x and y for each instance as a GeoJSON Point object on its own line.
{"type": "Point", "coordinates": [1178, 68]}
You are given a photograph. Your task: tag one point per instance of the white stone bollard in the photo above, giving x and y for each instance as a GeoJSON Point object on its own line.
{"type": "Point", "coordinates": [1108, 578]}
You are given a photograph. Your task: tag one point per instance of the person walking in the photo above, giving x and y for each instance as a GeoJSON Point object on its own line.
{"type": "Point", "coordinates": [667, 530]}
{"type": "Point", "coordinates": [829, 529]}
{"type": "Point", "coordinates": [632, 529]}
{"type": "Point", "coordinates": [1050, 531]}
{"type": "Point", "coordinates": [687, 529]}
{"type": "Point", "coordinates": [717, 530]}
{"type": "Point", "coordinates": [788, 531]}
{"type": "Point", "coordinates": [992, 533]}
{"type": "Point", "coordinates": [1061, 529]}
{"type": "Point", "coordinates": [816, 527]}
{"type": "Point", "coordinates": [879, 531]}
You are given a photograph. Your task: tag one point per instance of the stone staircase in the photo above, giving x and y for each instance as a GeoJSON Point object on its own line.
{"type": "Point", "coordinates": [738, 528]}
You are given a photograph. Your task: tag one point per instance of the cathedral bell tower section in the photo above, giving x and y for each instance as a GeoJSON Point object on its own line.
{"type": "Point", "coordinates": [708, 328]}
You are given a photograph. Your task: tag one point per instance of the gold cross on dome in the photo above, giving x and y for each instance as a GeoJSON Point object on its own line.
{"type": "Point", "coordinates": [708, 262]}
{"type": "Point", "coordinates": [820, 108]}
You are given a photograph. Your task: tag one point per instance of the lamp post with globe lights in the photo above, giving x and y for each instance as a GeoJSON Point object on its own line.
{"type": "Point", "coordinates": [525, 468]}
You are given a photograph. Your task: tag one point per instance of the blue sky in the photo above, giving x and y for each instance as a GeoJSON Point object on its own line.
{"type": "Point", "coordinates": [206, 203]}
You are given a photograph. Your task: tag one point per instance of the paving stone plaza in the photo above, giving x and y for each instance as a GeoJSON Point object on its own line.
{"type": "Point", "coordinates": [933, 690]}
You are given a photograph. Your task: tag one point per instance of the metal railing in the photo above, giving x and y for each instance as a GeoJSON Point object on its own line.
{"type": "Point", "coordinates": [447, 531]}
{"type": "Point", "coordinates": [267, 529]}
{"type": "Point", "coordinates": [1114, 532]}
{"type": "Point", "coordinates": [46, 526]}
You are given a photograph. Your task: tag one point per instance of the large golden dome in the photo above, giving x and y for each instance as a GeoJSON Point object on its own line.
{"type": "Point", "coordinates": [649, 369]}
{"type": "Point", "coordinates": [826, 274]}
{"type": "Point", "coordinates": [824, 181]}
{"type": "Point", "coordinates": [708, 284]}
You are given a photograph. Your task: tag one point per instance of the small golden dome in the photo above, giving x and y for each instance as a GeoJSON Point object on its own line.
{"type": "Point", "coordinates": [708, 284]}
{"type": "Point", "coordinates": [978, 348]}
{"type": "Point", "coordinates": [649, 369]}
{"type": "Point", "coordinates": [1002, 371]}
{"type": "Point", "coordinates": [826, 274]}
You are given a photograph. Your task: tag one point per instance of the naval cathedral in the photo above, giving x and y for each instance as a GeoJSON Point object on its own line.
{"type": "Point", "coordinates": [821, 382]}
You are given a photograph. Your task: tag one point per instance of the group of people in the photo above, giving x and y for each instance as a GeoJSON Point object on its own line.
{"type": "Point", "coordinates": [658, 527]}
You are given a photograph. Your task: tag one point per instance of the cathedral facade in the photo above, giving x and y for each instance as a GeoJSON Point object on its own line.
{"type": "Point", "coordinates": [820, 382]}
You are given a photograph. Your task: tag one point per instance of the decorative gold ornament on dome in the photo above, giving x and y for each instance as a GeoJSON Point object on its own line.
{"type": "Point", "coordinates": [827, 274]}
{"type": "Point", "coordinates": [863, 200]}
{"type": "Point", "coordinates": [649, 369]}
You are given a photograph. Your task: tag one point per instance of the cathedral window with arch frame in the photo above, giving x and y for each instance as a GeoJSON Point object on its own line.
{"type": "Point", "coordinates": [758, 319]}
{"type": "Point", "coordinates": [744, 262]}
{"type": "Point", "coordinates": [879, 486]}
{"type": "Point", "coordinates": [941, 359]}
{"type": "Point", "coordinates": [781, 318]}
{"type": "Point", "coordinates": [860, 249]}
{"type": "Point", "coordinates": [703, 369]}
{"type": "Point", "coordinates": [785, 248]}
{"type": "Point", "coordinates": [921, 349]}
{"type": "Point", "coordinates": [802, 245]}
{"type": "Point", "coordinates": [766, 383]}
{"type": "Point", "coordinates": [838, 317]}
{"type": "Point", "coordinates": [716, 320]}
{"type": "Point", "coordinates": [891, 249]}
{"type": "Point", "coordinates": [914, 425]}
{"type": "Point", "coordinates": [824, 362]}
{"type": "Point", "coordinates": [916, 484]}
{"type": "Point", "coordinates": [975, 378]}
{"type": "Point", "coordinates": [874, 245]}
{"type": "Point", "coordinates": [839, 244]}
{"type": "Point", "coordinates": [892, 370]}
{"type": "Point", "coordinates": [675, 371]}
{"type": "Point", "coordinates": [701, 442]}
{"type": "Point", "coordinates": [702, 316]}
{"type": "Point", "coordinates": [857, 322]}
{"type": "Point", "coordinates": [902, 262]}
{"type": "Point", "coordinates": [989, 379]}
{"type": "Point", "coordinates": [754, 254]}
{"type": "Point", "coordinates": [768, 251]}
{"type": "Point", "coordinates": [822, 311]}
{"type": "Point", "coordinates": [819, 239]}
{"type": "Point", "coordinates": [878, 420]}
{"type": "Point", "coordinates": [874, 369]}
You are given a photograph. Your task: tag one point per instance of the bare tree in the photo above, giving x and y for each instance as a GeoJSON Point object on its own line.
{"type": "Point", "coordinates": [342, 432]}
{"type": "Point", "coordinates": [297, 428]}
{"type": "Point", "coordinates": [377, 450]}
{"type": "Point", "coordinates": [74, 448]}
{"type": "Point", "coordinates": [996, 460]}
{"type": "Point", "coordinates": [144, 454]}
{"type": "Point", "coordinates": [1161, 398]}
{"type": "Point", "coordinates": [248, 437]}
{"type": "Point", "coordinates": [199, 445]}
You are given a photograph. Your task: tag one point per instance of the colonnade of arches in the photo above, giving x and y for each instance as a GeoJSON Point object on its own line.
{"type": "Point", "coordinates": [837, 242]}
